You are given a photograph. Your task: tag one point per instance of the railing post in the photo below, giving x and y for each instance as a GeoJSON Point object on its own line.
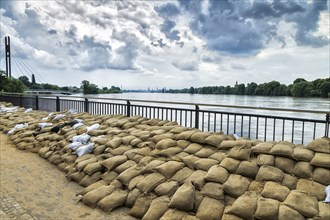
{"type": "Point", "coordinates": [57, 103]}
{"type": "Point", "coordinates": [327, 125]}
{"type": "Point", "coordinates": [128, 109]}
{"type": "Point", "coordinates": [196, 116]}
{"type": "Point", "coordinates": [37, 102]}
{"type": "Point", "coordinates": [86, 104]}
{"type": "Point", "coordinates": [21, 100]}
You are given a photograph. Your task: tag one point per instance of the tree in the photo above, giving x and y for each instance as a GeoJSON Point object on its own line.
{"type": "Point", "coordinates": [89, 88]}
{"type": "Point", "coordinates": [251, 88]}
{"type": "Point", "coordinates": [191, 90]}
{"type": "Point", "coordinates": [24, 80]}
{"type": "Point", "coordinates": [10, 84]}
{"type": "Point", "coordinates": [240, 89]}
{"type": "Point", "coordinates": [325, 89]}
{"type": "Point", "coordinates": [301, 89]}
{"type": "Point", "coordinates": [298, 80]}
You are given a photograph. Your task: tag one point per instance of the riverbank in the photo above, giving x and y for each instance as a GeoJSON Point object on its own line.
{"type": "Point", "coordinates": [164, 171]}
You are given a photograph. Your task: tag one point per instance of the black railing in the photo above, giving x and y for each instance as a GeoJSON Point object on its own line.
{"type": "Point", "coordinates": [239, 120]}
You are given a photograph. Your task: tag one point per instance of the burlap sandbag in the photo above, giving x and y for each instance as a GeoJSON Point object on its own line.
{"type": "Point", "coordinates": [269, 173]}
{"type": "Point", "coordinates": [263, 148]}
{"type": "Point", "coordinates": [205, 152]}
{"type": "Point", "coordinates": [265, 159]}
{"type": "Point", "coordinates": [181, 175]}
{"type": "Point", "coordinates": [119, 150]}
{"type": "Point", "coordinates": [115, 199]}
{"type": "Point", "coordinates": [230, 164]}
{"type": "Point", "coordinates": [92, 168]}
{"type": "Point", "coordinates": [114, 143]}
{"type": "Point", "coordinates": [193, 148]}
{"type": "Point", "coordinates": [91, 198]}
{"type": "Point", "coordinates": [82, 164]}
{"type": "Point", "coordinates": [92, 187]}
{"type": "Point", "coordinates": [256, 187]}
{"type": "Point", "coordinates": [109, 176]}
{"type": "Point", "coordinates": [151, 167]}
{"type": "Point", "coordinates": [226, 144]}
{"type": "Point", "coordinates": [236, 185]}
{"type": "Point", "coordinates": [142, 205]}
{"type": "Point", "coordinates": [245, 205]}
{"type": "Point", "coordinates": [217, 174]}
{"type": "Point", "coordinates": [312, 188]}
{"type": "Point", "coordinates": [324, 211]}
{"type": "Point", "coordinates": [282, 149]}
{"type": "Point", "coordinates": [167, 188]}
{"type": "Point", "coordinates": [124, 166]}
{"type": "Point", "coordinates": [321, 175]}
{"type": "Point", "coordinates": [189, 161]}
{"type": "Point", "coordinates": [198, 198]}
{"type": "Point", "coordinates": [321, 145]}
{"type": "Point", "coordinates": [132, 184]}
{"type": "Point", "coordinates": [150, 182]}
{"type": "Point", "coordinates": [199, 137]}
{"type": "Point", "coordinates": [286, 212]}
{"type": "Point", "coordinates": [132, 197]}
{"type": "Point", "coordinates": [84, 157]}
{"type": "Point", "coordinates": [157, 208]}
{"type": "Point", "coordinates": [240, 152]}
{"type": "Point", "coordinates": [166, 143]}
{"type": "Point", "coordinates": [267, 209]}
{"type": "Point", "coordinates": [183, 198]}
{"type": "Point", "coordinates": [305, 204]}
{"type": "Point", "coordinates": [275, 190]}
{"type": "Point", "coordinates": [205, 163]}
{"type": "Point", "coordinates": [169, 168]}
{"type": "Point", "coordinates": [289, 181]}
{"type": "Point", "coordinates": [215, 140]}
{"type": "Point", "coordinates": [248, 168]}
{"type": "Point", "coordinates": [183, 143]}
{"type": "Point", "coordinates": [126, 176]}
{"type": "Point", "coordinates": [213, 190]}
{"type": "Point", "coordinates": [303, 170]}
{"type": "Point", "coordinates": [321, 160]}
{"type": "Point", "coordinates": [197, 178]}
{"type": "Point", "coordinates": [169, 152]}
{"type": "Point", "coordinates": [284, 164]}
{"type": "Point", "coordinates": [113, 162]}
{"type": "Point", "coordinates": [210, 209]}
{"type": "Point", "coordinates": [219, 156]}
{"type": "Point", "coordinates": [158, 138]}
{"type": "Point", "coordinates": [229, 216]}
{"type": "Point", "coordinates": [76, 176]}
{"type": "Point", "coordinates": [173, 214]}
{"type": "Point", "coordinates": [90, 179]}
{"type": "Point", "coordinates": [303, 154]}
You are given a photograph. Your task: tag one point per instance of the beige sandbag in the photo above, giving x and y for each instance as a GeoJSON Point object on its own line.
{"type": "Point", "coordinates": [303, 170]}
{"type": "Point", "coordinates": [226, 144]}
{"type": "Point", "coordinates": [132, 197]}
{"type": "Point", "coordinates": [289, 181]}
{"type": "Point", "coordinates": [321, 160]}
{"type": "Point", "coordinates": [150, 182]}
{"type": "Point", "coordinates": [236, 185]}
{"type": "Point", "coordinates": [124, 166]}
{"type": "Point", "coordinates": [284, 164]}
{"type": "Point", "coordinates": [267, 209]}
{"type": "Point", "coordinates": [167, 188]}
{"type": "Point", "coordinates": [240, 152]}
{"type": "Point", "coordinates": [263, 148]}
{"type": "Point", "coordinates": [169, 152]}
{"type": "Point", "coordinates": [230, 164]}
{"type": "Point", "coordinates": [151, 167]}
{"type": "Point", "coordinates": [114, 143]}
{"type": "Point", "coordinates": [213, 190]}
{"type": "Point", "coordinates": [312, 188]}
{"type": "Point", "coordinates": [183, 143]}
{"type": "Point", "coordinates": [169, 168]}
{"type": "Point", "coordinates": [205, 163]}
{"type": "Point", "coordinates": [96, 132]}
{"type": "Point", "coordinates": [256, 187]}
{"type": "Point", "coordinates": [324, 211]}
{"type": "Point", "coordinates": [119, 150]}
{"type": "Point", "coordinates": [115, 199]}
{"type": "Point", "coordinates": [84, 157]}
{"type": "Point", "coordinates": [275, 190]}
{"type": "Point", "coordinates": [199, 137]}
{"type": "Point", "coordinates": [197, 178]}
{"type": "Point", "coordinates": [113, 162]}
{"type": "Point", "coordinates": [90, 179]}
{"type": "Point", "coordinates": [126, 176]}
{"type": "Point", "coordinates": [217, 174]}
{"type": "Point", "coordinates": [321, 145]}
{"type": "Point", "coordinates": [141, 205]}
{"type": "Point", "coordinates": [157, 208]}
{"type": "Point", "coordinates": [321, 175]}
{"type": "Point", "coordinates": [215, 140]}
{"type": "Point", "coordinates": [265, 159]}
{"type": "Point", "coordinates": [287, 213]}
{"type": "Point", "coordinates": [205, 152]}
{"type": "Point", "coordinates": [229, 216]}
{"type": "Point", "coordinates": [189, 161]}
{"type": "Point", "coordinates": [245, 205]}
{"type": "Point", "coordinates": [81, 165]}
{"type": "Point", "coordinates": [166, 143]}
{"type": "Point", "coordinates": [183, 198]}
{"type": "Point", "coordinates": [178, 129]}
{"type": "Point", "coordinates": [101, 140]}
{"type": "Point", "coordinates": [269, 173]}
{"type": "Point", "coordinates": [193, 148]}
{"type": "Point", "coordinates": [248, 168]}
{"type": "Point", "coordinates": [91, 187]}
{"type": "Point", "coordinates": [92, 168]}
{"type": "Point", "coordinates": [127, 139]}
{"type": "Point", "coordinates": [173, 214]}
{"type": "Point", "coordinates": [132, 184]}
{"type": "Point", "coordinates": [109, 176]}
{"type": "Point", "coordinates": [158, 138]}
{"type": "Point", "coordinates": [76, 176]}
{"type": "Point", "coordinates": [92, 197]}
{"type": "Point", "coordinates": [219, 156]}
{"type": "Point", "coordinates": [303, 154]}
{"type": "Point", "coordinates": [210, 209]}
{"type": "Point", "coordinates": [305, 204]}
{"type": "Point", "coordinates": [181, 175]}
{"type": "Point", "coordinates": [282, 149]}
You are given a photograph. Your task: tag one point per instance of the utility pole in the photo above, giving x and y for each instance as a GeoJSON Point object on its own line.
{"type": "Point", "coordinates": [8, 56]}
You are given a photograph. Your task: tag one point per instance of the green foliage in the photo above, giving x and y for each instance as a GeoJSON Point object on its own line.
{"type": "Point", "coordinates": [24, 80]}
{"type": "Point", "coordinates": [10, 85]}
{"type": "Point", "coordinates": [89, 88]}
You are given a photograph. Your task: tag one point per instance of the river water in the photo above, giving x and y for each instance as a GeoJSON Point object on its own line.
{"type": "Point", "coordinates": [306, 133]}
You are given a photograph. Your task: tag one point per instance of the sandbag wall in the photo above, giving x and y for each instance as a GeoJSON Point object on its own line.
{"type": "Point", "coordinates": [165, 171]}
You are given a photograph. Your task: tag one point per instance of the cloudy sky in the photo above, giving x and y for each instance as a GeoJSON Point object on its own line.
{"type": "Point", "coordinates": [172, 44]}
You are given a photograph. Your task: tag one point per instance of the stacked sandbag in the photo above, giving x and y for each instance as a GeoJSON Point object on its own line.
{"type": "Point", "coordinates": [165, 171]}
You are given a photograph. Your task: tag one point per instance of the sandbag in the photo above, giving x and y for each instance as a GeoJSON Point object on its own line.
{"type": "Point", "coordinates": [312, 188]}
{"type": "Point", "coordinates": [150, 182]}
{"type": "Point", "coordinates": [256, 187]}
{"type": "Point", "coordinates": [199, 137]}
{"type": "Point", "coordinates": [282, 149]}
{"type": "Point", "coordinates": [230, 164]}
{"type": "Point", "coordinates": [263, 148]}
{"type": "Point", "coordinates": [173, 214]}
{"type": "Point", "coordinates": [321, 175]}
{"type": "Point", "coordinates": [219, 156]}
{"type": "Point", "coordinates": [91, 187]}
{"type": "Point", "coordinates": [113, 162]}
{"type": "Point", "coordinates": [181, 175]}
{"type": "Point", "coordinates": [240, 152]}
{"type": "Point", "coordinates": [269, 173]}
{"type": "Point", "coordinates": [84, 149]}
{"type": "Point", "coordinates": [324, 211]}
{"type": "Point", "coordinates": [183, 198]}
{"type": "Point", "coordinates": [287, 213]}
{"type": "Point", "coordinates": [284, 164]}
{"type": "Point", "coordinates": [151, 167]}
{"type": "Point", "coordinates": [213, 190]}
{"type": "Point", "coordinates": [265, 159]}
{"type": "Point", "coordinates": [183, 143]}
{"type": "Point", "coordinates": [236, 185]}
{"type": "Point", "coordinates": [76, 176]}
{"type": "Point", "coordinates": [267, 209]}
{"type": "Point", "coordinates": [82, 164]}
{"type": "Point", "coordinates": [193, 148]}
{"type": "Point", "coordinates": [305, 204]}
{"type": "Point", "coordinates": [303, 170]}
{"type": "Point", "coordinates": [166, 143]}
{"type": "Point", "coordinates": [205, 152]}
{"type": "Point", "coordinates": [115, 199]}
{"type": "Point", "coordinates": [321, 160]}
{"type": "Point", "coordinates": [303, 154]}
{"type": "Point", "coordinates": [167, 188]}
{"type": "Point", "coordinates": [321, 145]}
{"type": "Point", "coordinates": [226, 144]}
{"type": "Point", "coordinates": [157, 208]}
{"type": "Point", "coordinates": [169, 152]}
{"type": "Point", "coordinates": [245, 205]}
{"type": "Point", "coordinates": [114, 143]}
{"type": "Point", "coordinates": [91, 198]}
{"type": "Point", "coordinates": [197, 178]}
{"type": "Point", "coordinates": [189, 161]}
{"type": "Point", "coordinates": [141, 205]}
{"type": "Point", "coordinates": [217, 174]}
{"type": "Point", "coordinates": [109, 176]}
{"type": "Point", "coordinates": [248, 168]}
{"type": "Point", "coordinates": [126, 176]}
{"type": "Point", "coordinates": [275, 190]}
{"type": "Point", "coordinates": [132, 197]}
{"type": "Point", "coordinates": [90, 179]}
{"type": "Point", "coordinates": [169, 168]}
{"type": "Point", "coordinates": [215, 140]}
{"type": "Point", "coordinates": [289, 181]}
{"type": "Point", "coordinates": [210, 209]}
{"type": "Point", "coordinates": [205, 163]}
{"type": "Point", "coordinates": [92, 168]}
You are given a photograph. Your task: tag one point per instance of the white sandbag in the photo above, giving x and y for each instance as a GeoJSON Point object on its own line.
{"type": "Point", "coordinates": [43, 125]}
{"type": "Point", "coordinates": [93, 127]}
{"type": "Point", "coordinates": [73, 111]}
{"type": "Point", "coordinates": [83, 138]}
{"type": "Point", "coordinates": [58, 117]}
{"type": "Point", "coordinates": [75, 145]}
{"type": "Point", "coordinates": [28, 110]}
{"type": "Point", "coordinates": [327, 192]}
{"type": "Point", "coordinates": [85, 149]}
{"type": "Point", "coordinates": [79, 124]}
{"type": "Point", "coordinates": [79, 120]}
{"type": "Point", "coordinates": [20, 126]}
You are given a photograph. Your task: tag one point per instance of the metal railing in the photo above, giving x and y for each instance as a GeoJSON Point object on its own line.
{"type": "Point", "coordinates": [240, 120]}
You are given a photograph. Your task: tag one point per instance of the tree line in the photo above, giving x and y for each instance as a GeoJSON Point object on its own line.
{"type": "Point", "coordinates": [299, 88]}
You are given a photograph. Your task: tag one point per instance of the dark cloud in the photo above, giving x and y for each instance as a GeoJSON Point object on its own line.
{"type": "Point", "coordinates": [186, 65]}
{"type": "Point", "coordinates": [52, 32]}
{"type": "Point", "coordinates": [167, 29]}
{"type": "Point", "coordinates": [168, 10]}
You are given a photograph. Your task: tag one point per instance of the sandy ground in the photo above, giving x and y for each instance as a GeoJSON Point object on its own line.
{"type": "Point", "coordinates": [32, 188]}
